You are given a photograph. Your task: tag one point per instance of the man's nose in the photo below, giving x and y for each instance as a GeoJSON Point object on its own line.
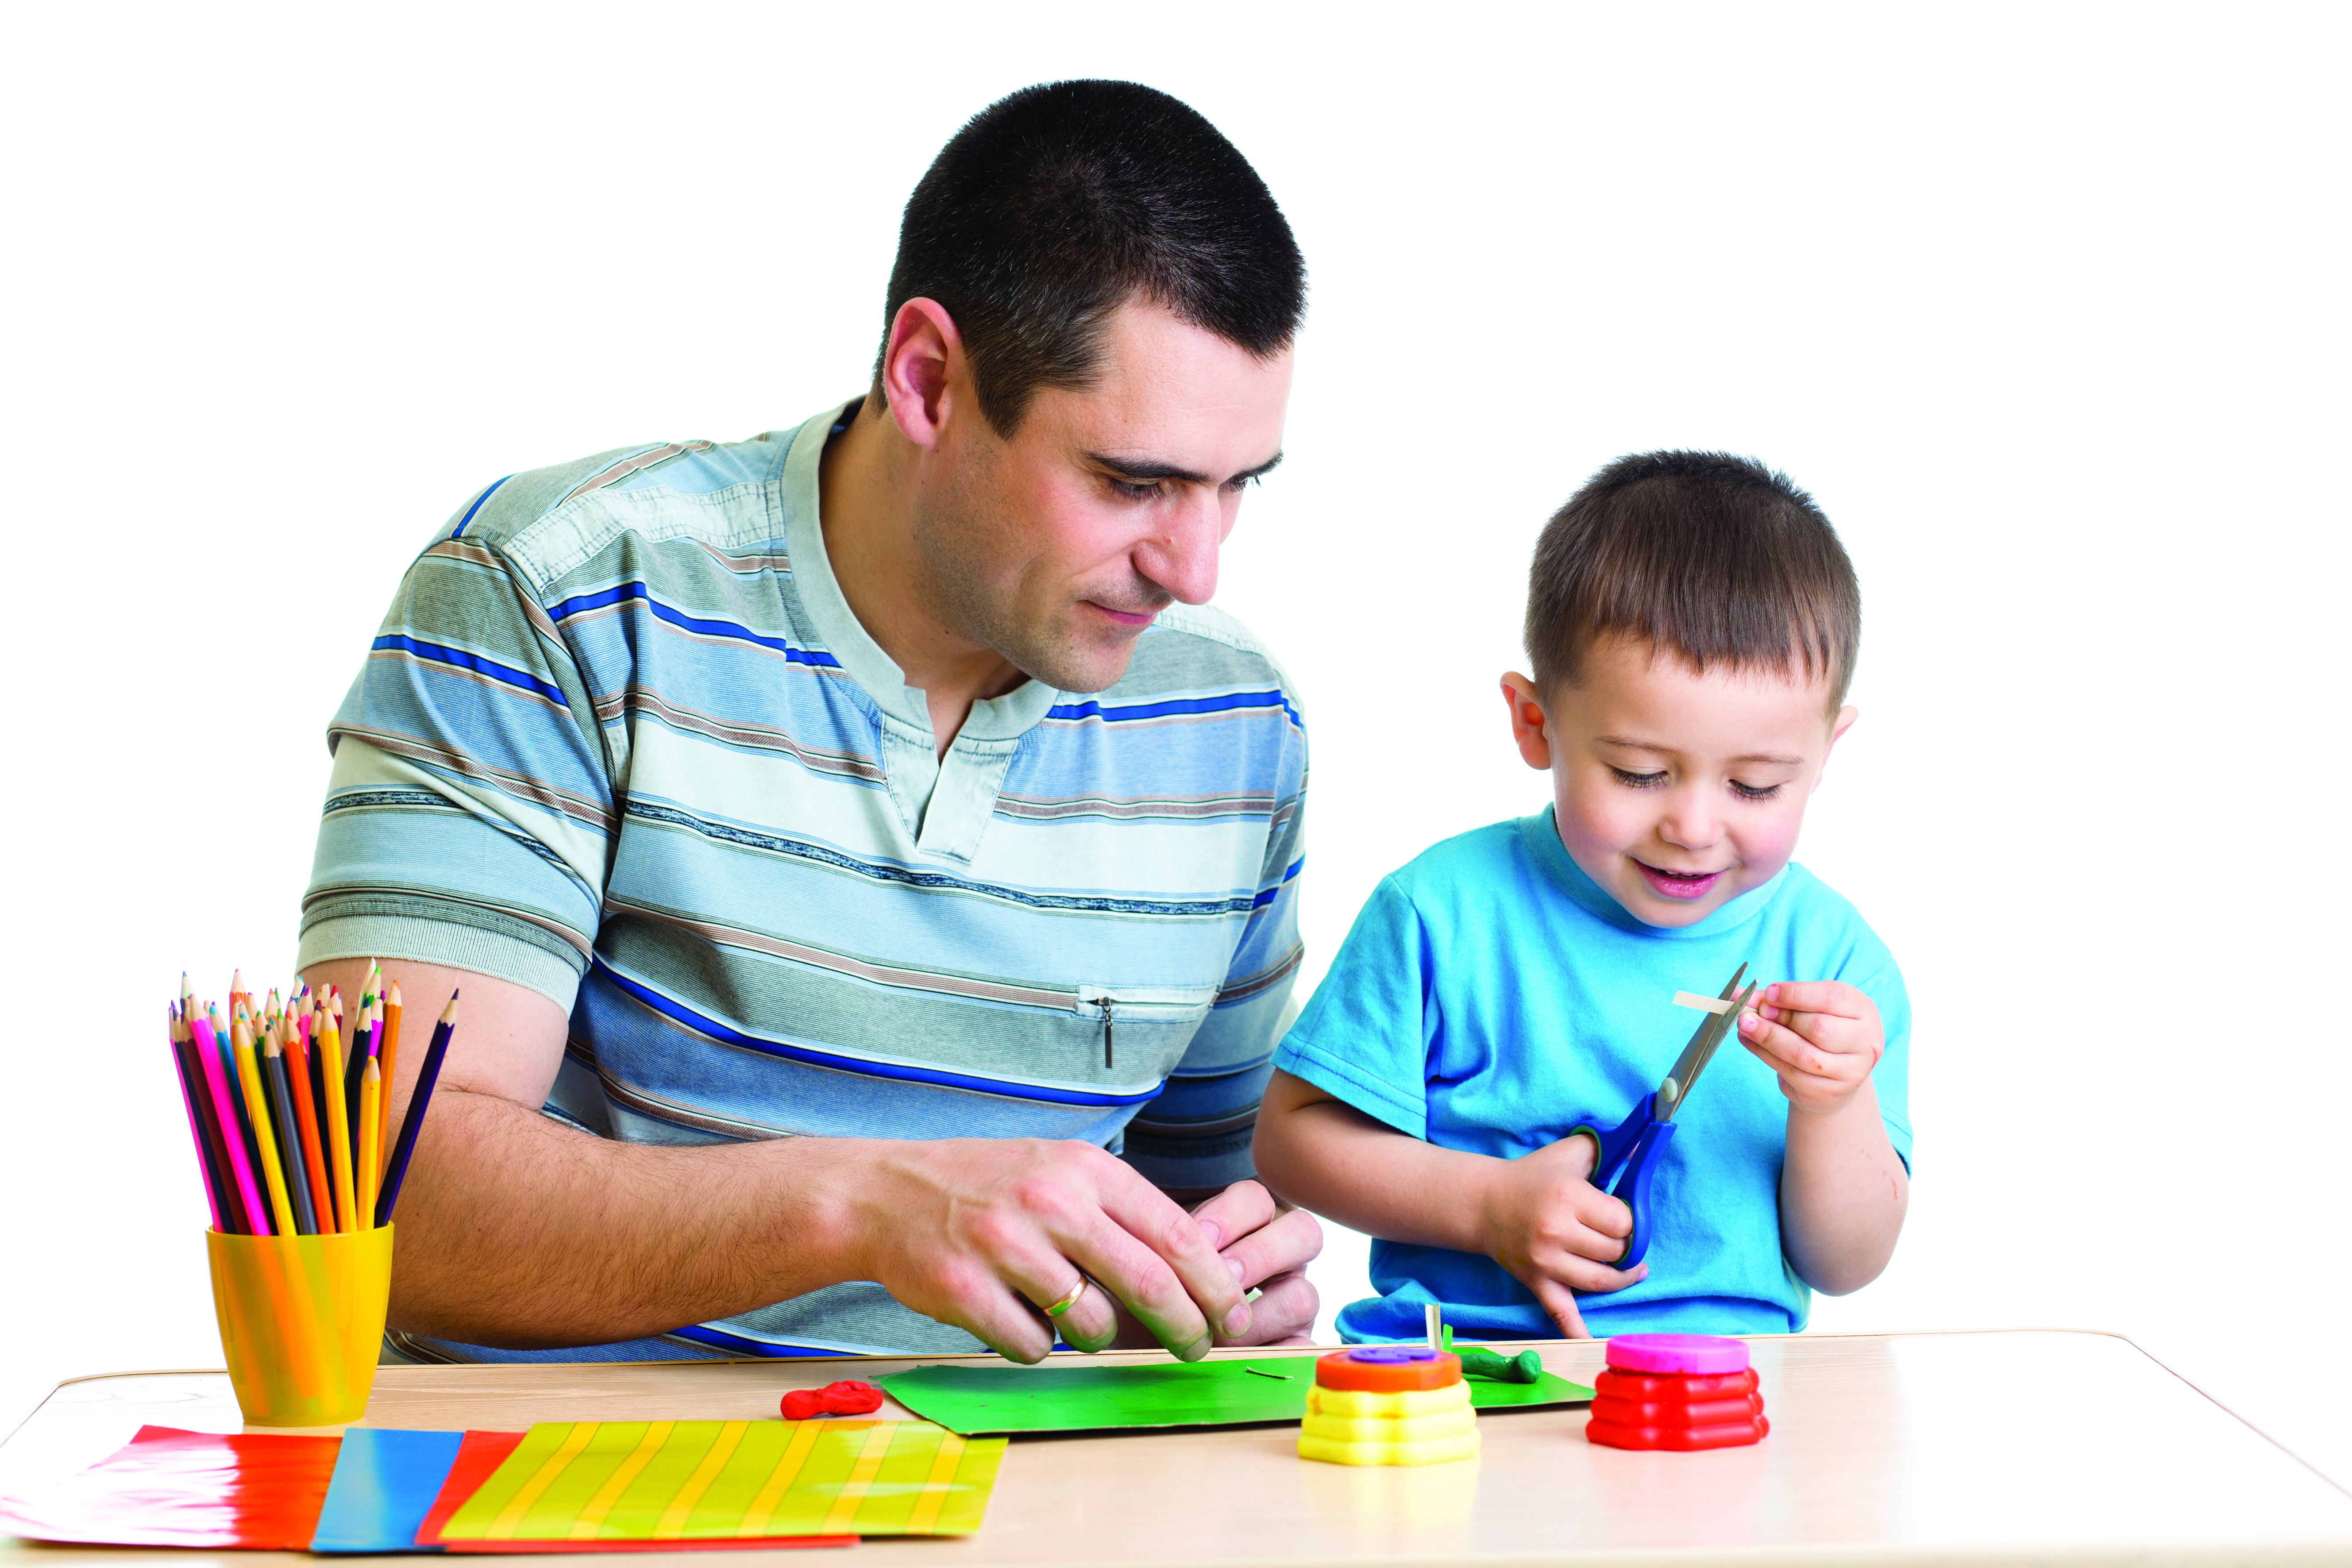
{"type": "Point", "coordinates": [1181, 556]}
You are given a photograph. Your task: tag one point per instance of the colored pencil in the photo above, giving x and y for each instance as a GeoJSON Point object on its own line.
{"type": "Point", "coordinates": [356, 1054]}
{"type": "Point", "coordinates": [390, 1057]}
{"type": "Point", "coordinates": [339, 1130]}
{"type": "Point", "coordinates": [427, 1074]}
{"type": "Point", "coordinates": [240, 1123]}
{"type": "Point", "coordinates": [249, 1077]}
{"type": "Point", "coordinates": [281, 1091]}
{"type": "Point", "coordinates": [232, 1211]}
{"type": "Point", "coordinates": [371, 1134]}
{"type": "Point", "coordinates": [180, 1065]}
{"type": "Point", "coordinates": [306, 1121]}
{"type": "Point", "coordinates": [257, 1214]}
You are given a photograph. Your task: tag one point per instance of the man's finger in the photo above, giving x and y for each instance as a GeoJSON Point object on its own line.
{"type": "Point", "coordinates": [1235, 1212]}
{"type": "Point", "coordinates": [1286, 1311]}
{"type": "Point", "coordinates": [1287, 1242]}
{"type": "Point", "coordinates": [1210, 1294]}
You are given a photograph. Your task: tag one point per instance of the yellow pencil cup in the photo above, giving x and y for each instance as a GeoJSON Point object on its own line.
{"type": "Point", "coordinates": [301, 1319]}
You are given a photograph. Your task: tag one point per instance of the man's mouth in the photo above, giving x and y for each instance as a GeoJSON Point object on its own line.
{"type": "Point", "coordinates": [1126, 618]}
{"type": "Point", "coordinates": [1678, 884]}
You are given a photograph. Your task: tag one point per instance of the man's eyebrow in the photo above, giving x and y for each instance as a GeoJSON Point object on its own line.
{"type": "Point", "coordinates": [1630, 743]}
{"type": "Point", "coordinates": [1147, 469]}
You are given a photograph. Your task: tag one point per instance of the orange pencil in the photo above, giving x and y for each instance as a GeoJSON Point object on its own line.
{"type": "Point", "coordinates": [256, 1111]}
{"type": "Point", "coordinates": [306, 1121]}
{"type": "Point", "coordinates": [371, 1137]}
{"type": "Point", "coordinates": [389, 1054]}
{"type": "Point", "coordinates": [338, 1131]}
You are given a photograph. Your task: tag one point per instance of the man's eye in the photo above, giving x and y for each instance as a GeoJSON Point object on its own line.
{"type": "Point", "coordinates": [1639, 781]}
{"type": "Point", "coordinates": [1750, 791]}
{"type": "Point", "coordinates": [1148, 489]}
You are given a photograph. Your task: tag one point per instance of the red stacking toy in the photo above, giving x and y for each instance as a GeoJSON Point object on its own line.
{"type": "Point", "coordinates": [1676, 1391]}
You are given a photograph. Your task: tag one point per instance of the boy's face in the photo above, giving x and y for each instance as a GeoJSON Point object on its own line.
{"type": "Point", "coordinates": [1676, 791]}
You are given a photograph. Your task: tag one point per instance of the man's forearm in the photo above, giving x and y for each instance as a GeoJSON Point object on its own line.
{"type": "Point", "coordinates": [1843, 1193]}
{"type": "Point", "coordinates": [517, 1232]}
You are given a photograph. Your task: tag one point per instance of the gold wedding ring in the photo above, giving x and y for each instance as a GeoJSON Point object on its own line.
{"type": "Point", "coordinates": [1068, 1301]}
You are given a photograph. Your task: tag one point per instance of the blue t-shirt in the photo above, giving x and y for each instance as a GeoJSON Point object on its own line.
{"type": "Point", "coordinates": [1491, 996]}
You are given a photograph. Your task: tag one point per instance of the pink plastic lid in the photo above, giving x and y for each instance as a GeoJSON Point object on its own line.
{"type": "Point", "coordinates": [1691, 1353]}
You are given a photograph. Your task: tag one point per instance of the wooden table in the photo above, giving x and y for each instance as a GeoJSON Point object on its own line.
{"type": "Point", "coordinates": [1912, 1449]}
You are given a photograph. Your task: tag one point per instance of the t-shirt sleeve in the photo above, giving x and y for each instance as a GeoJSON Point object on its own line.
{"type": "Point", "coordinates": [1196, 1133]}
{"type": "Point", "coordinates": [1882, 981]}
{"type": "Point", "coordinates": [470, 808]}
{"type": "Point", "coordinates": [1364, 1038]}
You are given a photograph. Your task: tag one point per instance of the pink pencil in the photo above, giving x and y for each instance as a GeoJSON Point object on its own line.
{"type": "Point", "coordinates": [216, 1083]}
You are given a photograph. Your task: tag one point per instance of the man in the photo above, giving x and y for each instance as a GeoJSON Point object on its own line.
{"type": "Point", "coordinates": [851, 841]}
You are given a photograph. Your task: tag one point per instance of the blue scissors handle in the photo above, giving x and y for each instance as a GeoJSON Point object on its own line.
{"type": "Point", "coordinates": [1627, 1158]}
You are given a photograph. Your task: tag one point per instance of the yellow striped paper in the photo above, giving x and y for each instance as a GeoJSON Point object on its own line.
{"type": "Point", "coordinates": [717, 1480]}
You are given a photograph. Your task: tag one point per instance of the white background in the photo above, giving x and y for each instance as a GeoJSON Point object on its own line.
{"type": "Point", "coordinates": [2047, 306]}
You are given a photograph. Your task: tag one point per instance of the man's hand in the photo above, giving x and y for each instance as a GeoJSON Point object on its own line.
{"type": "Point", "coordinates": [987, 1232]}
{"type": "Point", "coordinates": [1821, 1037]}
{"type": "Point", "coordinates": [1267, 1247]}
{"type": "Point", "coordinates": [1556, 1232]}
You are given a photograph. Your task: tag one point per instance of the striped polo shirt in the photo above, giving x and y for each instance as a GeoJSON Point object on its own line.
{"type": "Point", "coordinates": [621, 740]}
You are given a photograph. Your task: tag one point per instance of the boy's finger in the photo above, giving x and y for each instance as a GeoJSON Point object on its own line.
{"type": "Point", "coordinates": [1556, 1302]}
{"type": "Point", "coordinates": [1833, 997]}
{"type": "Point", "coordinates": [1787, 1044]}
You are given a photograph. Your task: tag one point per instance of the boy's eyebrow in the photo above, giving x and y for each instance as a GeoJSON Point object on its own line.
{"type": "Point", "coordinates": [1630, 743]}
{"type": "Point", "coordinates": [1153, 471]}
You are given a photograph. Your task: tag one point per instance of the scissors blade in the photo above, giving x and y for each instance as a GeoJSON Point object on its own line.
{"type": "Point", "coordinates": [1703, 1042]}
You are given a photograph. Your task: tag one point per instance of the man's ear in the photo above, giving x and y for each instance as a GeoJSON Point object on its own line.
{"type": "Point", "coordinates": [923, 370]}
{"type": "Point", "coordinates": [1838, 727]}
{"type": "Point", "coordinates": [1529, 730]}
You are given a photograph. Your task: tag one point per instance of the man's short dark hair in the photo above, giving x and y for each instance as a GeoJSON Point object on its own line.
{"type": "Point", "coordinates": [1716, 558]}
{"type": "Point", "coordinates": [1054, 206]}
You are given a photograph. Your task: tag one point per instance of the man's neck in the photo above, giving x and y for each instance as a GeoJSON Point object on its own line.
{"type": "Point", "coordinates": [866, 508]}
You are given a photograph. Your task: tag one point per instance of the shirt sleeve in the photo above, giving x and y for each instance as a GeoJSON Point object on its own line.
{"type": "Point", "coordinates": [1195, 1135]}
{"type": "Point", "coordinates": [1890, 1079]}
{"type": "Point", "coordinates": [470, 808]}
{"type": "Point", "coordinates": [1364, 1038]}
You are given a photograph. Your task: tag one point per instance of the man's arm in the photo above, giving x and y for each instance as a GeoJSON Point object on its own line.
{"type": "Point", "coordinates": [518, 1231]}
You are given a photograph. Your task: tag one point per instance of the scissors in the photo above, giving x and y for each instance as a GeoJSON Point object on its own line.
{"type": "Point", "coordinates": [1629, 1154]}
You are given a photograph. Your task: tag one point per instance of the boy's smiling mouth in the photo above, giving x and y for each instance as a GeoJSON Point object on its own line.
{"type": "Point", "coordinates": [1678, 884]}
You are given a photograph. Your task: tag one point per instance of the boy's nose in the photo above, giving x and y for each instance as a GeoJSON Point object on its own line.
{"type": "Point", "coordinates": [1689, 821]}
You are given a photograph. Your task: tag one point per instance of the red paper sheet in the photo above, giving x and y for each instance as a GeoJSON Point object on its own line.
{"type": "Point", "coordinates": [170, 1488]}
{"type": "Point", "coordinates": [480, 1455]}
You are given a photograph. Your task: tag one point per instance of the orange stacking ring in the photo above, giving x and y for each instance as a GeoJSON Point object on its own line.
{"type": "Point", "coordinates": [1384, 1369]}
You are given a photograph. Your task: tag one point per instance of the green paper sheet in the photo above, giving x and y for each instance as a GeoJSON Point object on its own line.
{"type": "Point", "coordinates": [1003, 1399]}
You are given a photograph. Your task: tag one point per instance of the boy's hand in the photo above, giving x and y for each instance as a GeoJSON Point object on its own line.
{"type": "Point", "coordinates": [1556, 1232]}
{"type": "Point", "coordinates": [1822, 1037]}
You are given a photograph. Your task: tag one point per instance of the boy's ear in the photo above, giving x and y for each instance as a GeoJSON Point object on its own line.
{"type": "Point", "coordinates": [1838, 727]}
{"type": "Point", "coordinates": [1529, 728]}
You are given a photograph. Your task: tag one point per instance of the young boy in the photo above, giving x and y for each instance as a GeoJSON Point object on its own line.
{"type": "Point", "coordinates": [1692, 624]}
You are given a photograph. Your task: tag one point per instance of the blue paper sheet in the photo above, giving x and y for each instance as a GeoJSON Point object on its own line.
{"type": "Point", "coordinates": [383, 1486]}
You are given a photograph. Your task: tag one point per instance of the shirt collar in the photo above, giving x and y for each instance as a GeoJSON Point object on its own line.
{"type": "Point", "coordinates": [845, 636]}
{"type": "Point", "coordinates": [1541, 836]}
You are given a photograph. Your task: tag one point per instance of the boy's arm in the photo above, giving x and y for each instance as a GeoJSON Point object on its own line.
{"type": "Point", "coordinates": [1536, 1215]}
{"type": "Point", "coordinates": [1843, 1190]}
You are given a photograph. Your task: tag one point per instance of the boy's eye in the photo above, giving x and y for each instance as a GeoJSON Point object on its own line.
{"type": "Point", "coordinates": [1750, 791]}
{"type": "Point", "coordinates": [1639, 780]}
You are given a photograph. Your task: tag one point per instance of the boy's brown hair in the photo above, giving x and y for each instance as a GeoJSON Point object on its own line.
{"type": "Point", "coordinates": [1715, 558]}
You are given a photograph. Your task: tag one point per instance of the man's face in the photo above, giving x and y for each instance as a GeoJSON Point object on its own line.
{"type": "Point", "coordinates": [1058, 546]}
{"type": "Point", "coordinates": [1677, 792]}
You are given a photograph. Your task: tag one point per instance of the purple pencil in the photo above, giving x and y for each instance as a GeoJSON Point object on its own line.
{"type": "Point", "coordinates": [426, 1076]}
{"type": "Point", "coordinates": [195, 1127]}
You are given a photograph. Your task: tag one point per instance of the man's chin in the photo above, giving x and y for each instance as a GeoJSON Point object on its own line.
{"type": "Point", "coordinates": [1079, 670]}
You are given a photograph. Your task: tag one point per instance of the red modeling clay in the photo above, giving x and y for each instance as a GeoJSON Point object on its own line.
{"type": "Point", "coordinates": [845, 1398]}
{"type": "Point", "coordinates": [1678, 1412]}
{"type": "Point", "coordinates": [1644, 1389]}
{"type": "Point", "coordinates": [1690, 1354]}
{"type": "Point", "coordinates": [1723, 1435]}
